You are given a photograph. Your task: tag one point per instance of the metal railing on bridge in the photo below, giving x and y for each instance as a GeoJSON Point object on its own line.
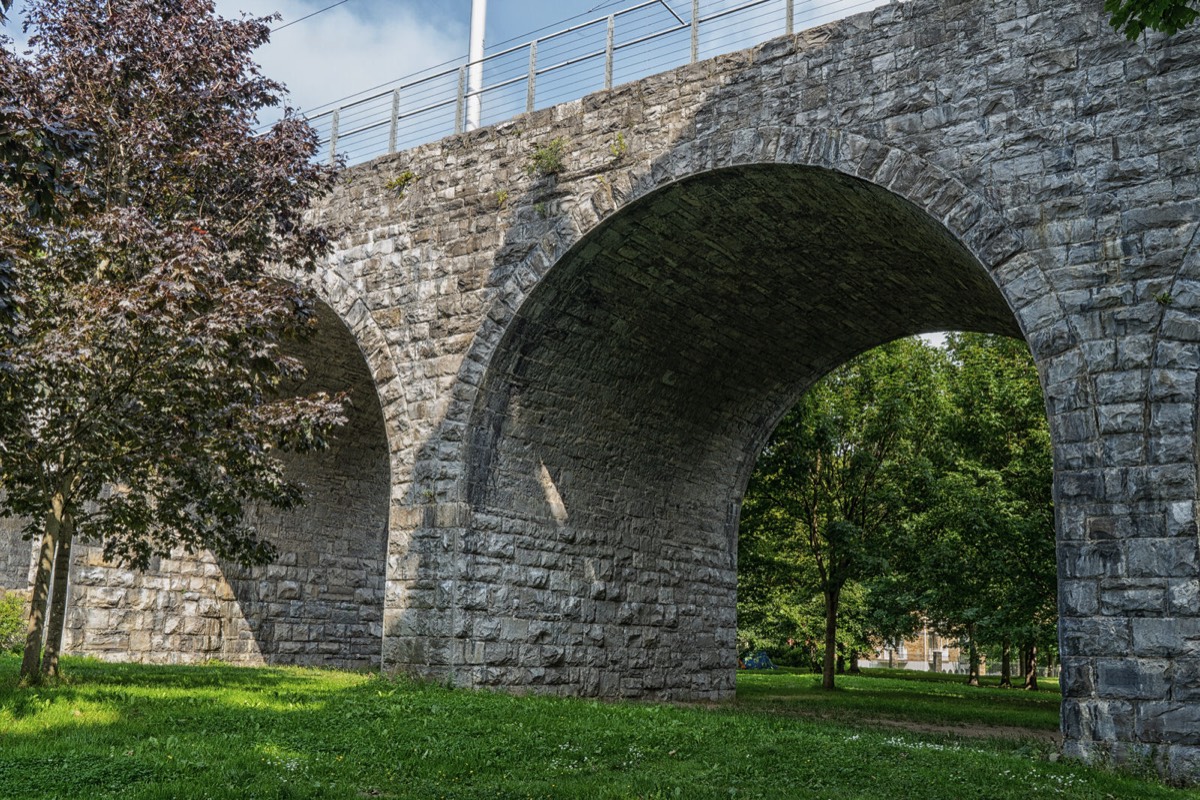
{"type": "Point", "coordinates": [640, 40]}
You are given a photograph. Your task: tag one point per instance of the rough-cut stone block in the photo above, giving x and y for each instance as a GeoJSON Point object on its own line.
{"type": "Point", "coordinates": [1096, 636]}
{"type": "Point", "coordinates": [1098, 720]}
{"type": "Point", "coordinates": [1166, 637]}
{"type": "Point", "coordinates": [1169, 722]}
{"type": "Point", "coordinates": [1133, 679]}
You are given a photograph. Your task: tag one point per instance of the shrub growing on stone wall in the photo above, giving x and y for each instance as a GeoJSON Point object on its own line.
{"type": "Point", "coordinates": [548, 158]}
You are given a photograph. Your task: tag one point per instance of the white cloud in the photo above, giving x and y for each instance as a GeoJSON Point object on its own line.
{"type": "Point", "coordinates": [337, 53]}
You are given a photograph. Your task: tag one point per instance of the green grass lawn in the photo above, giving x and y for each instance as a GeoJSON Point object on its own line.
{"type": "Point", "coordinates": [920, 698]}
{"type": "Point", "coordinates": [223, 732]}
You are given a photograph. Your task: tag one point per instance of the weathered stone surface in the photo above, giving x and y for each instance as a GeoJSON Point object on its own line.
{"type": "Point", "coordinates": [1166, 636]}
{"type": "Point", "coordinates": [575, 372]}
{"type": "Point", "coordinates": [1169, 722]}
{"type": "Point", "coordinates": [16, 556]}
{"type": "Point", "coordinates": [1133, 678]}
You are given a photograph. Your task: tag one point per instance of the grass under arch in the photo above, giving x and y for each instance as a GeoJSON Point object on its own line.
{"type": "Point", "coordinates": [131, 731]}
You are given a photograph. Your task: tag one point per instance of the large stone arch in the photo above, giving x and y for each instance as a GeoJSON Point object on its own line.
{"type": "Point", "coordinates": [592, 532]}
{"type": "Point", "coordinates": [965, 213]}
{"type": "Point", "coordinates": [1061, 160]}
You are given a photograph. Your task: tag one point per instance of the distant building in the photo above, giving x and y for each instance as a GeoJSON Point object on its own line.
{"type": "Point", "coordinates": [926, 651]}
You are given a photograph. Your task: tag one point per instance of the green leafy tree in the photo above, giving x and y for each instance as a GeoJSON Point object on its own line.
{"type": "Point", "coordinates": [1134, 17]}
{"type": "Point", "coordinates": [147, 389]}
{"type": "Point", "coordinates": [12, 612]}
{"type": "Point", "coordinates": [980, 557]}
{"type": "Point", "coordinates": [831, 482]}
{"type": "Point", "coordinates": [1002, 438]}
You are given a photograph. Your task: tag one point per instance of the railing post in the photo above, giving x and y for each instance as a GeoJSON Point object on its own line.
{"type": "Point", "coordinates": [531, 92]}
{"type": "Point", "coordinates": [608, 52]}
{"type": "Point", "coordinates": [790, 16]}
{"type": "Point", "coordinates": [395, 121]}
{"type": "Point", "coordinates": [333, 126]}
{"type": "Point", "coordinates": [695, 30]}
{"type": "Point", "coordinates": [458, 105]}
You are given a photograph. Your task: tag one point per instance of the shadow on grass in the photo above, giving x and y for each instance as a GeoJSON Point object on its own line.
{"type": "Point", "coordinates": [112, 682]}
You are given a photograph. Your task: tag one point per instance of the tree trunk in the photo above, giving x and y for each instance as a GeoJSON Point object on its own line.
{"type": "Point", "coordinates": [1031, 667]}
{"type": "Point", "coordinates": [1006, 664]}
{"type": "Point", "coordinates": [841, 664]}
{"type": "Point", "coordinates": [32, 660]}
{"type": "Point", "coordinates": [831, 609]}
{"type": "Point", "coordinates": [972, 658]}
{"type": "Point", "coordinates": [892, 657]}
{"type": "Point", "coordinates": [58, 599]}
{"type": "Point", "coordinates": [854, 670]}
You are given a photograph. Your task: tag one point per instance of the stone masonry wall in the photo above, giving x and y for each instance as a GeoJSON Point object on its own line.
{"type": "Point", "coordinates": [579, 368]}
{"type": "Point", "coordinates": [16, 555]}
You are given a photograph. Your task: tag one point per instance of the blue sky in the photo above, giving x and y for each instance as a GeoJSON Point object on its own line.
{"type": "Point", "coordinates": [361, 44]}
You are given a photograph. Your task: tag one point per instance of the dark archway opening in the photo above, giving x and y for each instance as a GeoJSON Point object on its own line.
{"type": "Point", "coordinates": [321, 603]}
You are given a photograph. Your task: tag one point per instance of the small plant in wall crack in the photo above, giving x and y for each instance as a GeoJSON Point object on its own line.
{"type": "Point", "coordinates": [619, 148]}
{"type": "Point", "coordinates": [1164, 298]}
{"type": "Point", "coordinates": [399, 183]}
{"type": "Point", "coordinates": [548, 158]}
{"type": "Point", "coordinates": [501, 198]}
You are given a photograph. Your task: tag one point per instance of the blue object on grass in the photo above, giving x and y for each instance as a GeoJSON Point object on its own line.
{"type": "Point", "coordinates": [759, 660]}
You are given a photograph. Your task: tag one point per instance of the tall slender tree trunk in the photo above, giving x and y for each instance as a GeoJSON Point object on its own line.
{"type": "Point", "coordinates": [1006, 664]}
{"type": "Point", "coordinates": [972, 658]}
{"type": "Point", "coordinates": [841, 664]}
{"type": "Point", "coordinates": [1031, 666]}
{"type": "Point", "coordinates": [831, 608]}
{"type": "Point", "coordinates": [58, 599]}
{"type": "Point", "coordinates": [892, 656]}
{"type": "Point", "coordinates": [35, 630]}
{"type": "Point", "coordinates": [854, 670]}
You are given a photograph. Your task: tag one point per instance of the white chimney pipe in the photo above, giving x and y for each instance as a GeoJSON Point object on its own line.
{"type": "Point", "coordinates": [475, 57]}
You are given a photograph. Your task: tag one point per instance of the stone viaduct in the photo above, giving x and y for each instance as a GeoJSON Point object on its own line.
{"type": "Point", "coordinates": [562, 381]}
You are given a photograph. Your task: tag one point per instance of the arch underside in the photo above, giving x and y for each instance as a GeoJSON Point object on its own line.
{"type": "Point", "coordinates": [622, 412]}
{"type": "Point", "coordinates": [319, 603]}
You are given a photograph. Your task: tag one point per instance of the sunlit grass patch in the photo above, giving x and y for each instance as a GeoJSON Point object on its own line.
{"type": "Point", "coordinates": [218, 732]}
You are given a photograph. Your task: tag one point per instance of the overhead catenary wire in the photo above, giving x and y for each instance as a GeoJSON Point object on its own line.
{"type": "Point", "coordinates": [571, 62]}
{"type": "Point", "coordinates": [319, 11]}
{"type": "Point", "coordinates": [518, 38]}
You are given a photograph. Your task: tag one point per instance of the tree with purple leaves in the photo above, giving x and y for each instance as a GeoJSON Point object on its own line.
{"type": "Point", "coordinates": [147, 388]}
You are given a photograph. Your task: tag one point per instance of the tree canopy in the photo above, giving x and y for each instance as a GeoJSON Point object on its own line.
{"type": "Point", "coordinates": [147, 391]}
{"type": "Point", "coordinates": [914, 482]}
{"type": "Point", "coordinates": [832, 483]}
{"type": "Point", "coordinates": [1134, 17]}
